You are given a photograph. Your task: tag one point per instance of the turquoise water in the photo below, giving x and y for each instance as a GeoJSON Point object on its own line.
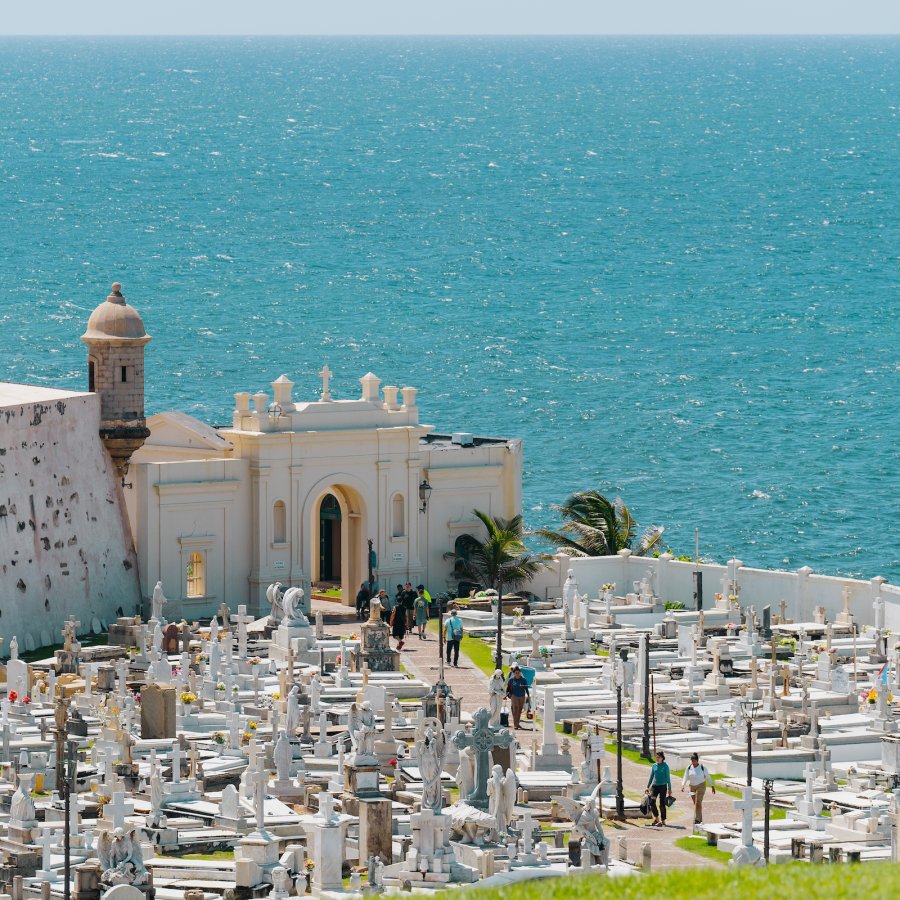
{"type": "Point", "coordinates": [669, 264]}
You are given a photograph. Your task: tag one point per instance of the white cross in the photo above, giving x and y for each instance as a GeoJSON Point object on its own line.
{"type": "Point", "coordinates": [326, 807]}
{"type": "Point", "coordinates": [118, 809]}
{"type": "Point", "coordinates": [527, 826]}
{"type": "Point", "coordinates": [243, 620]}
{"type": "Point", "coordinates": [746, 805]}
{"type": "Point", "coordinates": [177, 757]}
{"type": "Point", "coordinates": [46, 843]}
{"type": "Point", "coordinates": [325, 375]}
{"type": "Point", "coordinates": [259, 779]}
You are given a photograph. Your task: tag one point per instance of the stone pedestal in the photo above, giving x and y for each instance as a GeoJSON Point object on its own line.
{"type": "Point", "coordinates": [362, 779]}
{"type": "Point", "coordinates": [375, 653]}
{"type": "Point", "coordinates": [254, 858]}
{"type": "Point", "coordinates": [87, 881]}
{"type": "Point", "coordinates": [325, 844]}
{"type": "Point", "coordinates": [375, 829]}
{"type": "Point", "coordinates": [291, 640]}
{"type": "Point", "coordinates": [158, 712]}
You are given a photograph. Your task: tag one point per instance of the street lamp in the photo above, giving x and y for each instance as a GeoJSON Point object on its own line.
{"type": "Point", "coordinates": [620, 789]}
{"type": "Point", "coordinates": [749, 710]}
{"type": "Point", "coordinates": [69, 784]}
{"type": "Point", "coordinates": [425, 490]}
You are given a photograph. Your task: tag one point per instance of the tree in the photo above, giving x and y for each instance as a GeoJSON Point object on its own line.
{"type": "Point", "coordinates": [597, 526]}
{"type": "Point", "coordinates": [500, 561]}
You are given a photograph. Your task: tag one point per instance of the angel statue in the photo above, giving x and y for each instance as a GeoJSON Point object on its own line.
{"type": "Point", "coordinates": [362, 729]}
{"type": "Point", "coordinates": [120, 858]}
{"type": "Point", "coordinates": [292, 606]}
{"type": "Point", "coordinates": [501, 791]}
{"type": "Point", "coordinates": [275, 597]}
{"type": "Point", "coordinates": [496, 692]}
{"type": "Point", "coordinates": [431, 751]}
{"type": "Point", "coordinates": [465, 774]}
{"type": "Point", "coordinates": [585, 818]}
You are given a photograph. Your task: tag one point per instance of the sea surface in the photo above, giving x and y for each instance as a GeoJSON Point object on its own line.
{"type": "Point", "coordinates": [670, 265]}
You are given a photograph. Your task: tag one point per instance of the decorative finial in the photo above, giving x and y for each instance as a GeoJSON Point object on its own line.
{"type": "Point", "coordinates": [116, 287]}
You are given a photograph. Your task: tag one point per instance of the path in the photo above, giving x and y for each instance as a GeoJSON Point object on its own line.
{"type": "Point", "coordinates": [420, 659]}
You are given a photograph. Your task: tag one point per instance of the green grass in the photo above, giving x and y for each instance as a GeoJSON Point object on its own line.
{"type": "Point", "coordinates": [480, 654]}
{"type": "Point", "coordinates": [215, 855]}
{"type": "Point", "coordinates": [842, 882]}
{"type": "Point", "coordinates": [698, 845]}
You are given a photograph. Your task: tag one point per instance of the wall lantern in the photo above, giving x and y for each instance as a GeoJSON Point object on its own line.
{"type": "Point", "coordinates": [424, 493]}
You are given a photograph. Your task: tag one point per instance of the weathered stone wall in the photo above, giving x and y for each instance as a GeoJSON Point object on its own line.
{"type": "Point", "coordinates": [65, 545]}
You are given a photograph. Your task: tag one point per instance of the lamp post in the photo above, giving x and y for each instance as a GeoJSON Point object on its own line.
{"type": "Point", "coordinates": [767, 796]}
{"type": "Point", "coordinates": [620, 789]}
{"type": "Point", "coordinates": [69, 783]}
{"type": "Point", "coordinates": [749, 710]}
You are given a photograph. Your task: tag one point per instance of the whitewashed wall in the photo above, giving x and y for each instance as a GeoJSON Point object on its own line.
{"type": "Point", "coordinates": [802, 590]}
{"type": "Point", "coordinates": [65, 544]}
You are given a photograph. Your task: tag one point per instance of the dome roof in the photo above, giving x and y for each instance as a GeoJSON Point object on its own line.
{"type": "Point", "coordinates": [115, 319]}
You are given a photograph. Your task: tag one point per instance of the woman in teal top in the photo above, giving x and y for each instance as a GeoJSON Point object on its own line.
{"type": "Point", "coordinates": [659, 786]}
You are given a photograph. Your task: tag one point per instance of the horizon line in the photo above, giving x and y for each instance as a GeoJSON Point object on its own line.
{"type": "Point", "coordinates": [461, 34]}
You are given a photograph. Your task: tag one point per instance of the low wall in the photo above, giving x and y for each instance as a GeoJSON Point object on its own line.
{"type": "Point", "coordinates": [802, 590]}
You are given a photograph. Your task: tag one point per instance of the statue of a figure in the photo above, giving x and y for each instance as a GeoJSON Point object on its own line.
{"type": "Point", "coordinates": [315, 693]}
{"type": "Point", "coordinates": [275, 597]}
{"type": "Point", "coordinates": [501, 797]}
{"type": "Point", "coordinates": [156, 796]}
{"type": "Point", "coordinates": [157, 602]}
{"type": "Point", "coordinates": [589, 761]}
{"type": "Point", "coordinates": [496, 693]}
{"type": "Point", "coordinates": [14, 648]}
{"type": "Point", "coordinates": [284, 757]}
{"type": "Point", "coordinates": [465, 773]}
{"type": "Point", "coordinates": [292, 716]}
{"type": "Point", "coordinates": [362, 729]}
{"type": "Point", "coordinates": [431, 751]}
{"type": "Point", "coordinates": [292, 604]}
{"type": "Point", "coordinates": [586, 818]}
{"type": "Point", "coordinates": [22, 809]}
{"type": "Point", "coordinates": [120, 858]}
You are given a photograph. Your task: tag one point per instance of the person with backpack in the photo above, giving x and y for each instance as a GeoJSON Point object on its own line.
{"type": "Point", "coordinates": [453, 632]}
{"type": "Point", "coordinates": [696, 777]}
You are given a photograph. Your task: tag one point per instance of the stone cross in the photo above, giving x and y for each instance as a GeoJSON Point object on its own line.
{"type": "Point", "coordinates": [783, 607]}
{"type": "Point", "coordinates": [177, 757]}
{"type": "Point", "coordinates": [118, 809]}
{"type": "Point", "coordinates": [259, 779]}
{"type": "Point", "coordinates": [242, 620]}
{"type": "Point", "coordinates": [746, 805]}
{"type": "Point", "coordinates": [224, 612]}
{"type": "Point", "coordinates": [70, 629]}
{"type": "Point", "coordinates": [482, 739]}
{"type": "Point", "coordinates": [326, 807]}
{"type": "Point", "coordinates": [46, 842]}
{"type": "Point", "coordinates": [527, 826]}
{"type": "Point", "coordinates": [325, 375]}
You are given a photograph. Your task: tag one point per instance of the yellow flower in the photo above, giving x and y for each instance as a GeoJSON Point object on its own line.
{"type": "Point", "coordinates": [276, 695]}
{"type": "Point", "coordinates": [251, 725]}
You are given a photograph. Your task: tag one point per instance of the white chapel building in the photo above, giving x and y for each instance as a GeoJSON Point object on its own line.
{"type": "Point", "coordinates": [298, 486]}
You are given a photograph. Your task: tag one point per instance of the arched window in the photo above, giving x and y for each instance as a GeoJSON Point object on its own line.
{"type": "Point", "coordinates": [279, 522]}
{"type": "Point", "coordinates": [196, 576]}
{"type": "Point", "coordinates": [398, 515]}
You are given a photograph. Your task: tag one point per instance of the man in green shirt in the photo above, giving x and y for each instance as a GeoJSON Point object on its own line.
{"type": "Point", "coordinates": [659, 787]}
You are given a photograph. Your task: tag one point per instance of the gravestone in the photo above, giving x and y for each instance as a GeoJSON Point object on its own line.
{"type": "Point", "coordinates": [158, 712]}
{"type": "Point", "coordinates": [482, 739]}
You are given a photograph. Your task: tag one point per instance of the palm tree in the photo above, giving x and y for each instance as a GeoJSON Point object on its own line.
{"type": "Point", "coordinates": [502, 560]}
{"type": "Point", "coordinates": [597, 526]}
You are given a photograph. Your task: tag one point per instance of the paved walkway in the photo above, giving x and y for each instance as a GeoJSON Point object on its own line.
{"type": "Point", "coordinates": [420, 659]}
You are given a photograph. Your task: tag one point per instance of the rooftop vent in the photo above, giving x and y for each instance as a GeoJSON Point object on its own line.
{"type": "Point", "coordinates": [463, 439]}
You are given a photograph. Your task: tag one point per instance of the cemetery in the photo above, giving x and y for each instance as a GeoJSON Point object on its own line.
{"type": "Point", "coordinates": [276, 756]}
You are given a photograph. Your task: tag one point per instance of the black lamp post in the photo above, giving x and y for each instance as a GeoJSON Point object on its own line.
{"type": "Point", "coordinates": [69, 784]}
{"type": "Point", "coordinates": [767, 795]}
{"type": "Point", "coordinates": [749, 710]}
{"type": "Point", "coordinates": [620, 788]}
{"type": "Point", "coordinates": [425, 490]}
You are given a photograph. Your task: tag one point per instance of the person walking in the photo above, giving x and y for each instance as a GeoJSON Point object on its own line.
{"type": "Point", "coordinates": [363, 598]}
{"type": "Point", "coordinates": [453, 632]}
{"type": "Point", "coordinates": [421, 614]}
{"type": "Point", "coordinates": [398, 625]}
{"type": "Point", "coordinates": [696, 777]}
{"type": "Point", "coordinates": [408, 598]}
{"type": "Point", "coordinates": [387, 605]}
{"type": "Point", "coordinates": [659, 787]}
{"type": "Point", "coordinates": [518, 692]}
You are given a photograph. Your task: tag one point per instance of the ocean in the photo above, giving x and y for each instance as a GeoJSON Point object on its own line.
{"type": "Point", "coordinates": [670, 265]}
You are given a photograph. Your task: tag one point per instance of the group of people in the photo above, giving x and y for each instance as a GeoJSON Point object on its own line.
{"type": "Point", "coordinates": [408, 609]}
